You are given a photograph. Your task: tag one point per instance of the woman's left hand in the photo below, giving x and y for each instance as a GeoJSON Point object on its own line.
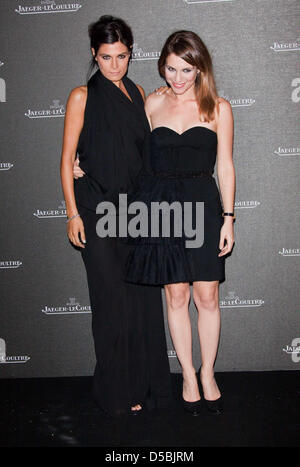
{"type": "Point", "coordinates": [228, 235]}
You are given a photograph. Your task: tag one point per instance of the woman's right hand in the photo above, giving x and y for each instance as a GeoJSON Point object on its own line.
{"type": "Point", "coordinates": [74, 228]}
{"type": "Point", "coordinates": [161, 90]}
{"type": "Point", "coordinates": [77, 172]}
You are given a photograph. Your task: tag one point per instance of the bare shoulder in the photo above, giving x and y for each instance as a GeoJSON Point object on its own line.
{"type": "Point", "coordinates": [76, 103]}
{"type": "Point", "coordinates": [154, 101]}
{"type": "Point", "coordinates": [224, 105]}
{"type": "Point", "coordinates": [224, 111]}
{"type": "Point", "coordinates": [141, 91]}
{"type": "Point", "coordinates": [224, 117]}
{"type": "Point", "coordinates": [77, 96]}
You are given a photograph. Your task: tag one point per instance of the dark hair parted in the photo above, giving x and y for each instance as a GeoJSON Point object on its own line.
{"type": "Point", "coordinates": [188, 46]}
{"type": "Point", "coordinates": [107, 30]}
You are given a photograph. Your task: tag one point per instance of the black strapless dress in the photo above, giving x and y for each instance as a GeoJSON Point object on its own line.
{"type": "Point", "coordinates": [182, 168]}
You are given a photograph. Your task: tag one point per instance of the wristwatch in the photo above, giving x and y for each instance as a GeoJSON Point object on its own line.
{"type": "Point", "coordinates": [229, 214]}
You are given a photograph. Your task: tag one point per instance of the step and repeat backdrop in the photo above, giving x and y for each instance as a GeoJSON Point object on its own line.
{"type": "Point", "coordinates": [45, 315]}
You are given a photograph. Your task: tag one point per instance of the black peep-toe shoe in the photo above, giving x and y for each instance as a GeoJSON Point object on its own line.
{"type": "Point", "coordinates": [216, 406]}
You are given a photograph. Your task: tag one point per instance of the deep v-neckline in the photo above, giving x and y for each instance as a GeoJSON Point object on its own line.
{"type": "Point", "coordinates": [129, 99]}
{"type": "Point", "coordinates": [116, 90]}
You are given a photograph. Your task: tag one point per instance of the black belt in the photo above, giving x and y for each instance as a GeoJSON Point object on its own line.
{"type": "Point", "coordinates": [202, 173]}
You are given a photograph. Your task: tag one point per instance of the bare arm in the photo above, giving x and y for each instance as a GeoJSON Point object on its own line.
{"type": "Point", "coordinates": [72, 127]}
{"type": "Point", "coordinates": [225, 167]}
{"type": "Point", "coordinates": [226, 172]}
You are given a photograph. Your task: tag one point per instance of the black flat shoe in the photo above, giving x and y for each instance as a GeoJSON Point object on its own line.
{"type": "Point", "coordinates": [193, 408]}
{"type": "Point", "coordinates": [216, 406]}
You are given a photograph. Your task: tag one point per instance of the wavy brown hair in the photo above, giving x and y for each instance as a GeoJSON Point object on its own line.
{"type": "Point", "coordinates": [188, 46]}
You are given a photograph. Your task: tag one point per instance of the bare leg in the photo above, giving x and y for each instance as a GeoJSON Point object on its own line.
{"type": "Point", "coordinates": [206, 298]}
{"type": "Point", "coordinates": [178, 297]}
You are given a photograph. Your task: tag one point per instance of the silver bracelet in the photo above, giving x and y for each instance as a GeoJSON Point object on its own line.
{"type": "Point", "coordinates": [73, 217]}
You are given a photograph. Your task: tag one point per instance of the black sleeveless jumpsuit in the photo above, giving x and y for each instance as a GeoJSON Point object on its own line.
{"type": "Point", "coordinates": [127, 319]}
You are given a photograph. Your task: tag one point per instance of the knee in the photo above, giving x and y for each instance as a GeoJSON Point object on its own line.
{"type": "Point", "coordinates": [207, 301]}
{"type": "Point", "coordinates": [178, 296]}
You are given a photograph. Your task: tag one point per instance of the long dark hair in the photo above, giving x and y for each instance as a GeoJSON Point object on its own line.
{"type": "Point", "coordinates": [107, 30]}
{"type": "Point", "coordinates": [188, 46]}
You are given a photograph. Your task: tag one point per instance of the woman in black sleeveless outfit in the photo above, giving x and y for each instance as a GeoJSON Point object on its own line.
{"type": "Point", "coordinates": [191, 127]}
{"type": "Point", "coordinates": [106, 125]}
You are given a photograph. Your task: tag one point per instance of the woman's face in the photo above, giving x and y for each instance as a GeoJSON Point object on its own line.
{"type": "Point", "coordinates": [179, 74]}
{"type": "Point", "coordinates": [113, 60]}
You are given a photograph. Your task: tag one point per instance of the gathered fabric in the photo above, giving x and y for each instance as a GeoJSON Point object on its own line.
{"type": "Point", "coordinates": [110, 159]}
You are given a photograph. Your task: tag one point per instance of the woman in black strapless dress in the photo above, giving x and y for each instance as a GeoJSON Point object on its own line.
{"type": "Point", "coordinates": [106, 126]}
{"type": "Point", "coordinates": [183, 149]}
{"type": "Point", "coordinates": [183, 167]}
